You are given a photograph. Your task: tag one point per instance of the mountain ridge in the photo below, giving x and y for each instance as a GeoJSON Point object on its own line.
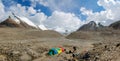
{"type": "Point", "coordinates": [9, 22]}
{"type": "Point", "coordinates": [91, 26]}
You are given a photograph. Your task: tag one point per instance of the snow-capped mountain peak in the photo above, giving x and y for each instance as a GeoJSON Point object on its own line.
{"type": "Point", "coordinates": [26, 20]}
{"type": "Point", "coordinates": [29, 22]}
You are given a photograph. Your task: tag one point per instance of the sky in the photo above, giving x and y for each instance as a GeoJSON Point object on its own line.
{"type": "Point", "coordinates": [61, 15]}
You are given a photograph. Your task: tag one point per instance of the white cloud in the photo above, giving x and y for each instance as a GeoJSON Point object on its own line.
{"type": "Point", "coordinates": [38, 18]}
{"type": "Point", "coordinates": [61, 21]}
{"type": "Point", "coordinates": [85, 11]}
{"type": "Point", "coordinates": [112, 6]}
{"type": "Point", "coordinates": [106, 17]}
{"type": "Point", "coordinates": [31, 10]}
{"type": "Point", "coordinates": [1, 7]}
{"type": "Point", "coordinates": [59, 5]}
{"type": "Point", "coordinates": [2, 11]}
{"type": "Point", "coordinates": [42, 2]}
{"type": "Point", "coordinates": [103, 16]}
{"type": "Point", "coordinates": [19, 10]}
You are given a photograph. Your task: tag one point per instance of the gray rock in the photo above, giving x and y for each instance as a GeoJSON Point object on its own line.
{"type": "Point", "coordinates": [25, 57]}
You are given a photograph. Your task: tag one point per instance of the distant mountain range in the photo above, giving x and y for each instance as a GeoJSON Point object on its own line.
{"type": "Point", "coordinates": [92, 26]}
{"type": "Point", "coordinates": [93, 30]}
{"type": "Point", "coordinates": [23, 22]}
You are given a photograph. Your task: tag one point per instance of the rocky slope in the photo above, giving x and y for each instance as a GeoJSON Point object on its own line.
{"type": "Point", "coordinates": [115, 25]}
{"type": "Point", "coordinates": [23, 33]}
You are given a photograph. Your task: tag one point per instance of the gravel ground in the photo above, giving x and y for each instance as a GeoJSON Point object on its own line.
{"type": "Point", "coordinates": [36, 49]}
{"type": "Point", "coordinates": [33, 45]}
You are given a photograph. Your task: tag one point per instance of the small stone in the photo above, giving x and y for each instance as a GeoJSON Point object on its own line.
{"type": "Point", "coordinates": [25, 57]}
{"type": "Point", "coordinates": [32, 53]}
{"type": "Point", "coordinates": [3, 58]}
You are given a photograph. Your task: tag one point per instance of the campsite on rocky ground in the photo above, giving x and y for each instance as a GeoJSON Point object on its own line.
{"type": "Point", "coordinates": [33, 45]}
